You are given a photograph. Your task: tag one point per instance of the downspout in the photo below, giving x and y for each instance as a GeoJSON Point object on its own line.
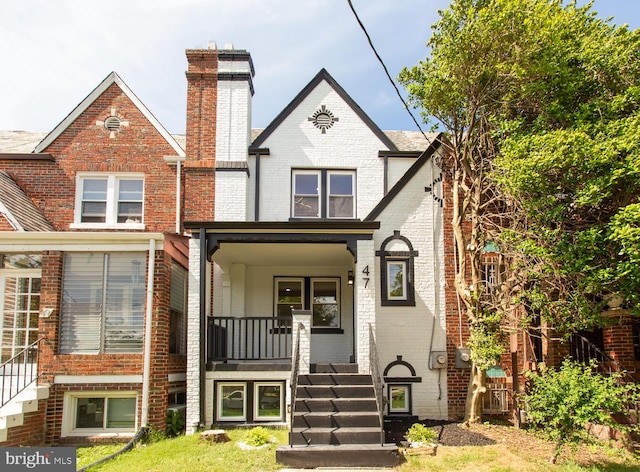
{"type": "Point", "coordinates": [146, 372]}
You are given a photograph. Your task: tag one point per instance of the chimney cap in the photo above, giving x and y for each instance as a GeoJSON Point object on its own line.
{"type": "Point", "coordinates": [212, 45]}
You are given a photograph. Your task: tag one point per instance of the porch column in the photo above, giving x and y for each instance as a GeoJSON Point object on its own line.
{"type": "Point", "coordinates": [301, 320]}
{"type": "Point", "coordinates": [194, 335]}
{"type": "Point", "coordinates": [365, 284]}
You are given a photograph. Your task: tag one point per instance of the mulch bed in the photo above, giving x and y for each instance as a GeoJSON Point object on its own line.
{"type": "Point", "coordinates": [449, 434]}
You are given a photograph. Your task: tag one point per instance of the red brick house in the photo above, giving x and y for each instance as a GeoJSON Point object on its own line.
{"type": "Point", "coordinates": [93, 275]}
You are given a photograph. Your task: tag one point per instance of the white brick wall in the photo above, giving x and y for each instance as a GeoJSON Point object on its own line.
{"type": "Point", "coordinates": [297, 143]}
{"type": "Point", "coordinates": [194, 337]}
{"type": "Point", "coordinates": [413, 332]}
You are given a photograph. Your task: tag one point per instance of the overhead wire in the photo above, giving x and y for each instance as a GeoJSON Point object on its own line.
{"type": "Point", "coordinates": [386, 70]}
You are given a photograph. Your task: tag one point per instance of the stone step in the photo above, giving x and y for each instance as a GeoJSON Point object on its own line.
{"type": "Point", "coordinates": [336, 420]}
{"type": "Point", "coordinates": [306, 405]}
{"type": "Point", "coordinates": [335, 391]}
{"type": "Point", "coordinates": [334, 379]}
{"type": "Point", "coordinates": [357, 455]}
{"type": "Point", "coordinates": [335, 436]}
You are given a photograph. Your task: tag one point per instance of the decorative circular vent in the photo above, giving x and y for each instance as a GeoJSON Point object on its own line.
{"type": "Point", "coordinates": [323, 119]}
{"type": "Point", "coordinates": [112, 123]}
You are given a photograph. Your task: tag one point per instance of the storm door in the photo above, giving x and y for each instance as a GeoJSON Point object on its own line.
{"type": "Point", "coordinates": [19, 310]}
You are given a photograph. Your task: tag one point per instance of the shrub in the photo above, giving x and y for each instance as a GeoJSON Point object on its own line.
{"type": "Point", "coordinates": [258, 436]}
{"type": "Point", "coordinates": [419, 433]}
{"type": "Point", "coordinates": [561, 403]}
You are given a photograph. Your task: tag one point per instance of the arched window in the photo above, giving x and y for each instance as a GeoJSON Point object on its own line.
{"type": "Point", "coordinates": [396, 271]}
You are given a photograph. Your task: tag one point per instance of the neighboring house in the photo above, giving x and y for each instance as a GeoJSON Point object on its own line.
{"type": "Point", "coordinates": [93, 274]}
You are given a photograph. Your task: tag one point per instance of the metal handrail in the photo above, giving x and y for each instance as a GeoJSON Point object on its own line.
{"type": "Point", "coordinates": [584, 351]}
{"type": "Point", "coordinates": [374, 370]}
{"type": "Point", "coordinates": [295, 369]}
{"type": "Point", "coordinates": [23, 368]}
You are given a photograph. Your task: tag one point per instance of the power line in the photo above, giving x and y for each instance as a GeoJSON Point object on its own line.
{"type": "Point", "coordinates": [406, 106]}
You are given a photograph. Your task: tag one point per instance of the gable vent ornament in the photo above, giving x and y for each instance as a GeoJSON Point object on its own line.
{"type": "Point", "coordinates": [323, 119]}
{"type": "Point", "coordinates": [113, 123]}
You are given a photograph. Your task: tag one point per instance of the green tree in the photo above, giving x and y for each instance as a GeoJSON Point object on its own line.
{"type": "Point", "coordinates": [529, 92]}
{"type": "Point", "coordinates": [562, 403]}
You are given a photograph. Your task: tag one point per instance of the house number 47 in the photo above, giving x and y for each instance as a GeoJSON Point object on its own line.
{"type": "Point", "coordinates": [366, 279]}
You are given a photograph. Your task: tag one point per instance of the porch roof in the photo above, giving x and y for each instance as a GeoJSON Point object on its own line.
{"type": "Point", "coordinates": [349, 232]}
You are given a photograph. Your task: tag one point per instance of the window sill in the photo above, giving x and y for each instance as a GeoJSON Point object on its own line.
{"type": "Point", "coordinates": [129, 226]}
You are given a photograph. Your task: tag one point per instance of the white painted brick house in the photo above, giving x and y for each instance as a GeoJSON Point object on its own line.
{"type": "Point", "coordinates": [321, 213]}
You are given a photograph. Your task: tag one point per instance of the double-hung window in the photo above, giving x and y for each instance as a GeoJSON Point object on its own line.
{"type": "Point", "coordinates": [109, 200]}
{"type": "Point", "coordinates": [322, 193]}
{"type": "Point", "coordinates": [102, 303]}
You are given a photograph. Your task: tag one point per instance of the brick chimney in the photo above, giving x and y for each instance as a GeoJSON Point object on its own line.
{"type": "Point", "coordinates": [219, 92]}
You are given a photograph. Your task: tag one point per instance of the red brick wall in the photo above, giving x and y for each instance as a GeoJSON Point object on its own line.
{"type": "Point", "coordinates": [456, 318]}
{"type": "Point", "coordinates": [86, 146]}
{"type": "Point", "coordinates": [202, 88]}
{"type": "Point", "coordinates": [32, 431]}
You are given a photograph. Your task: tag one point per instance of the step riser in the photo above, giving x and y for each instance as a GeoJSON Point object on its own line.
{"type": "Point", "coordinates": [334, 405]}
{"type": "Point", "coordinates": [333, 368]}
{"type": "Point", "coordinates": [305, 457]}
{"type": "Point", "coordinates": [334, 379]}
{"type": "Point", "coordinates": [335, 391]}
{"type": "Point", "coordinates": [335, 438]}
{"type": "Point", "coordinates": [334, 421]}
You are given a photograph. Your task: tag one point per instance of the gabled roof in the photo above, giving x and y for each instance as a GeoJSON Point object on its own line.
{"type": "Point", "coordinates": [320, 76]}
{"type": "Point", "coordinates": [111, 79]}
{"type": "Point", "coordinates": [400, 184]}
{"type": "Point", "coordinates": [18, 208]}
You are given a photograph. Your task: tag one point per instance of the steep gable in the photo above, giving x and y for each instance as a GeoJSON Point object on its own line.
{"type": "Point", "coordinates": [323, 75]}
{"type": "Point", "coordinates": [103, 87]}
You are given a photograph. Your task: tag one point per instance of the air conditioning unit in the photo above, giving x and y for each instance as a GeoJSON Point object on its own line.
{"type": "Point", "coordinates": [438, 360]}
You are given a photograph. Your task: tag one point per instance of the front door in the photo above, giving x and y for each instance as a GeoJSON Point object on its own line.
{"type": "Point", "coordinates": [19, 310]}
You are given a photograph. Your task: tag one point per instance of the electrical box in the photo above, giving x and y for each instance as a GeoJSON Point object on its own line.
{"type": "Point", "coordinates": [438, 360]}
{"type": "Point", "coordinates": [463, 358]}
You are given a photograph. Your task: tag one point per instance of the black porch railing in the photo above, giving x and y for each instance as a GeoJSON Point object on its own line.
{"type": "Point", "coordinates": [19, 372]}
{"type": "Point", "coordinates": [251, 338]}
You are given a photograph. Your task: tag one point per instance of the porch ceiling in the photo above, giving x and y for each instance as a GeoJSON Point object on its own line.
{"type": "Point", "coordinates": [283, 254]}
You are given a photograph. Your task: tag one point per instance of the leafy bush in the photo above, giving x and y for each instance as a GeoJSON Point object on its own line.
{"type": "Point", "coordinates": [258, 436]}
{"type": "Point", "coordinates": [419, 433]}
{"type": "Point", "coordinates": [561, 403]}
{"type": "Point", "coordinates": [175, 423]}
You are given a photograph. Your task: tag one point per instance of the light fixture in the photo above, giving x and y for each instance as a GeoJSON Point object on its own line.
{"type": "Point", "coordinates": [350, 277]}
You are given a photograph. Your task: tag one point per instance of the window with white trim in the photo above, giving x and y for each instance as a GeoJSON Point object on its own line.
{"type": "Point", "coordinates": [396, 277]}
{"type": "Point", "coordinates": [232, 401]}
{"type": "Point", "coordinates": [322, 193]}
{"type": "Point", "coordinates": [110, 200]}
{"type": "Point", "coordinates": [397, 271]}
{"type": "Point", "coordinates": [268, 401]}
{"type": "Point", "coordinates": [102, 303]}
{"type": "Point", "coordinates": [400, 399]}
{"type": "Point", "coordinates": [320, 295]}
{"type": "Point", "coordinates": [100, 412]}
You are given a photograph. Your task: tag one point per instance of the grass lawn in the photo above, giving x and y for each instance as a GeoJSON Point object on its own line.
{"type": "Point", "coordinates": [187, 453]}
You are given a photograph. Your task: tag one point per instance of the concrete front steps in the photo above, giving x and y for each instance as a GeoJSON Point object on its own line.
{"type": "Point", "coordinates": [12, 414]}
{"type": "Point", "coordinates": [336, 422]}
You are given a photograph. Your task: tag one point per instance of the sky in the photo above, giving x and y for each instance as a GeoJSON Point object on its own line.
{"type": "Point", "coordinates": [53, 53]}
